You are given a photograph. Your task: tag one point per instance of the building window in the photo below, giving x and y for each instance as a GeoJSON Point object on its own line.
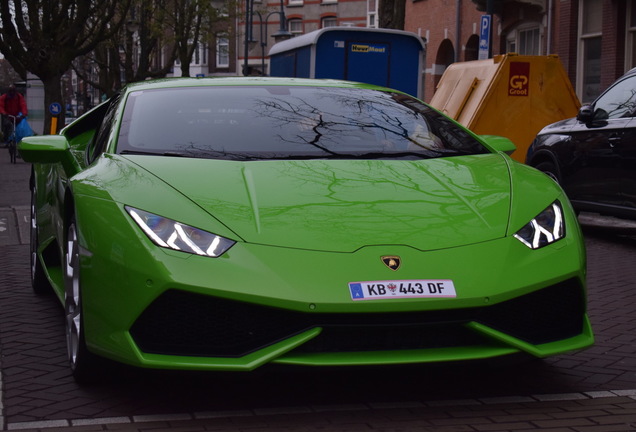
{"type": "Point", "coordinates": [295, 26]}
{"type": "Point", "coordinates": [630, 49]}
{"type": "Point", "coordinates": [372, 13]}
{"type": "Point", "coordinates": [329, 22]}
{"type": "Point", "coordinates": [372, 20]}
{"type": "Point", "coordinates": [222, 52]}
{"type": "Point", "coordinates": [529, 42]}
{"type": "Point", "coordinates": [524, 40]}
{"type": "Point", "coordinates": [200, 55]}
{"type": "Point", "coordinates": [295, 3]}
{"type": "Point", "coordinates": [589, 67]}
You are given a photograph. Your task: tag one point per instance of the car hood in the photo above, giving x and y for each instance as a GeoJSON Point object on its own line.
{"type": "Point", "coordinates": [561, 126]}
{"type": "Point", "coordinates": [339, 205]}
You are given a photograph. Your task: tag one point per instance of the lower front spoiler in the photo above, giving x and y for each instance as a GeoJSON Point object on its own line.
{"type": "Point", "coordinates": [285, 352]}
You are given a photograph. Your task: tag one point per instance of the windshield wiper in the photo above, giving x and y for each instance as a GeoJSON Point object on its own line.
{"type": "Point", "coordinates": [348, 156]}
{"type": "Point", "coordinates": [395, 155]}
{"type": "Point", "coordinates": [199, 154]}
{"type": "Point", "coordinates": [246, 156]}
{"type": "Point", "coordinates": [152, 153]}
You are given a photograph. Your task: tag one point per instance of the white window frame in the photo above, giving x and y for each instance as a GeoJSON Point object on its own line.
{"type": "Point", "coordinates": [513, 39]}
{"type": "Point", "coordinates": [295, 22]}
{"type": "Point", "coordinates": [372, 13]}
{"type": "Point", "coordinates": [200, 56]}
{"type": "Point", "coordinates": [330, 19]}
{"type": "Point", "coordinates": [630, 37]}
{"type": "Point", "coordinates": [222, 46]}
{"type": "Point", "coordinates": [583, 38]}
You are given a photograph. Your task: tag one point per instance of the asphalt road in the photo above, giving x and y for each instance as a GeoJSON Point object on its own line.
{"type": "Point", "coordinates": [593, 390]}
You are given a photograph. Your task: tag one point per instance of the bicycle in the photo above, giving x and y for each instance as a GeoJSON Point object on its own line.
{"type": "Point", "coordinates": [12, 141]}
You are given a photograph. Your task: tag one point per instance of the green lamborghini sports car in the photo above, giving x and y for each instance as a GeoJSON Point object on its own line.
{"type": "Point", "coordinates": [229, 223]}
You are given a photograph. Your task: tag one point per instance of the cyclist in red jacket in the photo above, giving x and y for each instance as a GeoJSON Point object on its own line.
{"type": "Point", "coordinates": [12, 103]}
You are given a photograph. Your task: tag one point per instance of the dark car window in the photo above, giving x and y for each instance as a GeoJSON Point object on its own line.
{"type": "Point", "coordinates": [103, 125]}
{"type": "Point", "coordinates": [618, 101]}
{"type": "Point", "coordinates": [280, 122]}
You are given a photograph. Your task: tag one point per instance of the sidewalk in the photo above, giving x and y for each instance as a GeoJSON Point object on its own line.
{"type": "Point", "coordinates": [593, 221]}
{"type": "Point", "coordinates": [596, 412]}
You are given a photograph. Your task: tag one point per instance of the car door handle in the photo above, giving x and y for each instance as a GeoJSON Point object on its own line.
{"type": "Point", "coordinates": [614, 140]}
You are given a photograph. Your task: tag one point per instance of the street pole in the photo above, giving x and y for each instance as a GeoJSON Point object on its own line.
{"type": "Point", "coordinates": [490, 7]}
{"type": "Point", "coordinates": [248, 34]}
{"type": "Point", "coordinates": [281, 34]}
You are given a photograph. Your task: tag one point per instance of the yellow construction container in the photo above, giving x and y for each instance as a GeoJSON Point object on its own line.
{"type": "Point", "coordinates": [508, 95]}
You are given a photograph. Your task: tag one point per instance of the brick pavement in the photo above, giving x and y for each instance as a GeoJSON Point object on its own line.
{"type": "Point", "coordinates": [601, 413]}
{"type": "Point", "coordinates": [592, 390]}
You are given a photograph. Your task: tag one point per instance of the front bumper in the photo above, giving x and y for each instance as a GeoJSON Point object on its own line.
{"type": "Point", "coordinates": [203, 328]}
{"type": "Point", "coordinates": [256, 304]}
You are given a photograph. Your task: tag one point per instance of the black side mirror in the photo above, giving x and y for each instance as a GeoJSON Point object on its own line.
{"type": "Point", "coordinates": [586, 114]}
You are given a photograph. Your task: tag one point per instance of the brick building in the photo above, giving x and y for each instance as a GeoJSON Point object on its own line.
{"type": "Point", "coordinates": [595, 39]}
{"type": "Point", "coordinates": [596, 42]}
{"type": "Point", "coordinates": [302, 16]}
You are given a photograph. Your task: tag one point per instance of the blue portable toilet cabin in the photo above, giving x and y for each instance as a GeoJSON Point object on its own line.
{"type": "Point", "coordinates": [386, 57]}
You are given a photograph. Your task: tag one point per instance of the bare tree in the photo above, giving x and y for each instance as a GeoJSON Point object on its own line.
{"type": "Point", "coordinates": [148, 51]}
{"type": "Point", "coordinates": [142, 48]}
{"type": "Point", "coordinates": [156, 33]}
{"type": "Point", "coordinates": [44, 37]}
{"type": "Point", "coordinates": [392, 13]}
{"type": "Point", "coordinates": [8, 76]}
{"type": "Point", "coordinates": [191, 23]}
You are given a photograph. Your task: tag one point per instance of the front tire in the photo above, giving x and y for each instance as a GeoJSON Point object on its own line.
{"type": "Point", "coordinates": [39, 281]}
{"type": "Point", "coordinates": [12, 151]}
{"type": "Point", "coordinates": [84, 364]}
{"type": "Point", "coordinates": [550, 170]}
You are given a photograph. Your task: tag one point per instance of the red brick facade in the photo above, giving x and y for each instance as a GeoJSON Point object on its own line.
{"type": "Point", "coordinates": [613, 42]}
{"type": "Point", "coordinates": [451, 27]}
{"type": "Point", "coordinates": [436, 22]}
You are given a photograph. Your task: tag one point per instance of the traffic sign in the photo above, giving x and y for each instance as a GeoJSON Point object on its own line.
{"type": "Point", "coordinates": [55, 109]}
{"type": "Point", "coordinates": [484, 37]}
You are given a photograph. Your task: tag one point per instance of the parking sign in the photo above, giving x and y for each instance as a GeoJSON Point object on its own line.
{"type": "Point", "coordinates": [484, 37]}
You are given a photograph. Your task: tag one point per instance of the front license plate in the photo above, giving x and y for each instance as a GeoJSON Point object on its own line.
{"type": "Point", "coordinates": [425, 288]}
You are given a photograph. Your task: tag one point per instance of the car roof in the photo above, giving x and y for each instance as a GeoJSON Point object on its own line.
{"type": "Point", "coordinates": [630, 72]}
{"type": "Point", "coordinates": [245, 81]}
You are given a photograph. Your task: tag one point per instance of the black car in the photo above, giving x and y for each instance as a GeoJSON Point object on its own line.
{"type": "Point", "coordinates": [593, 156]}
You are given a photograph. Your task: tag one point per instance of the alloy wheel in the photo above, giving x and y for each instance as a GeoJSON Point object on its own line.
{"type": "Point", "coordinates": [72, 296]}
{"type": "Point", "coordinates": [33, 238]}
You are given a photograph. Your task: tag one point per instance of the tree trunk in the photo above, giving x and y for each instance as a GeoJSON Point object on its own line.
{"type": "Point", "coordinates": [184, 58]}
{"type": "Point", "coordinates": [392, 13]}
{"type": "Point", "coordinates": [52, 94]}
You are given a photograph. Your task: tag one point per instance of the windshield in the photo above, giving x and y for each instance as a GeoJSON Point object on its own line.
{"type": "Point", "coordinates": [281, 122]}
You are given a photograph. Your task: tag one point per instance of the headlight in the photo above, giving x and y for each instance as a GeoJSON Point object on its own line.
{"type": "Point", "coordinates": [170, 234]}
{"type": "Point", "coordinates": [544, 229]}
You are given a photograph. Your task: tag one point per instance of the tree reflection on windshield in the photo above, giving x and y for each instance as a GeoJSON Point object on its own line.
{"type": "Point", "coordinates": [249, 122]}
